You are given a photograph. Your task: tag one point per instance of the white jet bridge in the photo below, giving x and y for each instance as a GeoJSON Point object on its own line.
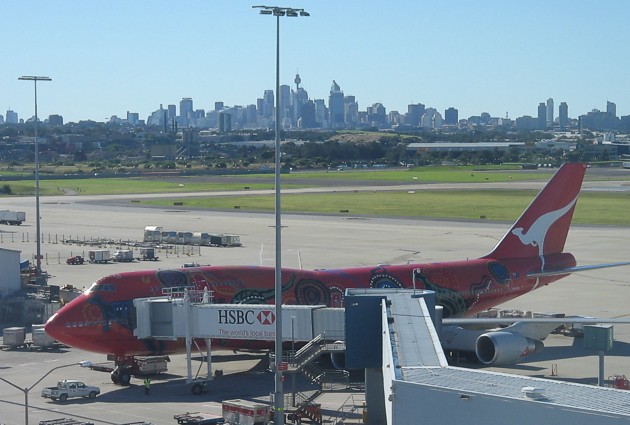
{"type": "Point", "coordinates": [192, 315]}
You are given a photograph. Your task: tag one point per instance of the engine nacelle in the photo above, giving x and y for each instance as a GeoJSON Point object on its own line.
{"type": "Point", "coordinates": [495, 348]}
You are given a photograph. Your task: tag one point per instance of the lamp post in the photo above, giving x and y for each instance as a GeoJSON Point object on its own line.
{"type": "Point", "coordinates": [38, 269]}
{"type": "Point", "coordinates": [27, 389]}
{"type": "Point", "coordinates": [278, 398]}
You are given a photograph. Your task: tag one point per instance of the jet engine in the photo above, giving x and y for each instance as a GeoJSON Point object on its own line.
{"type": "Point", "coordinates": [496, 348]}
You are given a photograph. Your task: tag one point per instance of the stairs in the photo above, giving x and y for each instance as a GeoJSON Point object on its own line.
{"type": "Point", "coordinates": [302, 361]}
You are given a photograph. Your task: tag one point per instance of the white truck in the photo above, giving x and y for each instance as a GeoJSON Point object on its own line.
{"type": "Point", "coordinates": [70, 388]}
{"type": "Point", "coordinates": [99, 256]}
{"type": "Point", "coordinates": [12, 217]}
{"type": "Point", "coordinates": [123, 256]}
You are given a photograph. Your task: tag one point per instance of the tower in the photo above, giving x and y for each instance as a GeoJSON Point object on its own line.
{"type": "Point", "coordinates": [563, 116]}
{"type": "Point", "coordinates": [542, 116]}
{"type": "Point", "coordinates": [549, 112]}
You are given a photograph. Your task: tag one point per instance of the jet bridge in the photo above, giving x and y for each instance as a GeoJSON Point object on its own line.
{"type": "Point", "coordinates": [192, 315]}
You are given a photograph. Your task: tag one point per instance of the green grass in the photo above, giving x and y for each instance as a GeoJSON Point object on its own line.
{"type": "Point", "coordinates": [126, 186]}
{"type": "Point", "coordinates": [593, 208]}
{"type": "Point", "coordinates": [467, 174]}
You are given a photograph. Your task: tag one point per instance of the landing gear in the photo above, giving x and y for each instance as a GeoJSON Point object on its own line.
{"type": "Point", "coordinates": [121, 376]}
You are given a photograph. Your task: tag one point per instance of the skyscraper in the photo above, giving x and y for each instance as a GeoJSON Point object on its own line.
{"type": "Point", "coordinates": [268, 103]}
{"type": "Point", "coordinates": [185, 111]}
{"type": "Point", "coordinates": [550, 112]}
{"type": "Point", "coordinates": [611, 108]}
{"type": "Point", "coordinates": [563, 115]}
{"type": "Point", "coordinates": [414, 114]}
{"type": "Point", "coordinates": [335, 105]}
{"type": "Point", "coordinates": [542, 116]}
{"type": "Point", "coordinates": [451, 116]}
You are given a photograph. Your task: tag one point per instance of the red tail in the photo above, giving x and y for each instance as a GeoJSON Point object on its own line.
{"type": "Point", "coordinates": [542, 229]}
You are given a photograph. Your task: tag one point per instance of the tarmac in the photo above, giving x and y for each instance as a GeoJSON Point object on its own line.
{"type": "Point", "coordinates": [310, 242]}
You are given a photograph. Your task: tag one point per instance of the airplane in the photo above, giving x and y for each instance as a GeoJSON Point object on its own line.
{"type": "Point", "coordinates": [529, 256]}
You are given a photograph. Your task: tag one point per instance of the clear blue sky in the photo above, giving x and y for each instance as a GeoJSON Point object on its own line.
{"type": "Point", "coordinates": [496, 56]}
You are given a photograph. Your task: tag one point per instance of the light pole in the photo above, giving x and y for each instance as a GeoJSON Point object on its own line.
{"type": "Point", "coordinates": [278, 398]}
{"type": "Point", "coordinates": [38, 269]}
{"type": "Point", "coordinates": [27, 389]}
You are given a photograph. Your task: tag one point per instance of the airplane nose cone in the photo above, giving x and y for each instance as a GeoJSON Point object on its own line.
{"type": "Point", "coordinates": [74, 323]}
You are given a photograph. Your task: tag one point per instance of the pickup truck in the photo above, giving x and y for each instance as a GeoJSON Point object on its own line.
{"type": "Point", "coordinates": [70, 388]}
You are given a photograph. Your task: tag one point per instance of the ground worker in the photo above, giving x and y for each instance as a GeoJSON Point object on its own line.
{"type": "Point", "coordinates": [147, 386]}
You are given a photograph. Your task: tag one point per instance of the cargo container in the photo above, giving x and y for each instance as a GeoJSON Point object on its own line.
{"type": "Point", "coordinates": [41, 339]}
{"type": "Point", "coordinates": [13, 337]}
{"type": "Point", "coordinates": [243, 412]}
{"type": "Point", "coordinates": [12, 217]}
{"type": "Point", "coordinates": [123, 256]}
{"type": "Point", "coordinates": [225, 240]}
{"type": "Point", "coordinates": [148, 254]}
{"type": "Point", "coordinates": [99, 256]}
{"type": "Point", "coordinates": [152, 234]}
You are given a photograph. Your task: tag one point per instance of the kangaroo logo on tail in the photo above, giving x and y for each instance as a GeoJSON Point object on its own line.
{"type": "Point", "coordinates": [537, 232]}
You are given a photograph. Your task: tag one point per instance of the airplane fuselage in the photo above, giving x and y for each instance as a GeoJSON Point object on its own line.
{"type": "Point", "coordinates": [102, 319]}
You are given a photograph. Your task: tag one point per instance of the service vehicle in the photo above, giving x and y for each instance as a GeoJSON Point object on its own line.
{"type": "Point", "coordinates": [148, 254]}
{"type": "Point", "coordinates": [12, 217]}
{"type": "Point", "coordinates": [70, 388]}
{"type": "Point", "coordinates": [99, 256]}
{"type": "Point", "coordinates": [74, 260]}
{"type": "Point", "coordinates": [123, 256]}
{"type": "Point", "coordinates": [139, 366]}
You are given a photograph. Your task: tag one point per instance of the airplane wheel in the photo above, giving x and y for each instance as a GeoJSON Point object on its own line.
{"type": "Point", "coordinates": [197, 389]}
{"type": "Point", "coordinates": [124, 378]}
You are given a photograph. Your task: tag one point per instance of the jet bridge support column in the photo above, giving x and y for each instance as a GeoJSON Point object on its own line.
{"type": "Point", "coordinates": [188, 335]}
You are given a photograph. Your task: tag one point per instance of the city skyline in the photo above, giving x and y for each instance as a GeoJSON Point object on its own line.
{"type": "Point", "coordinates": [106, 60]}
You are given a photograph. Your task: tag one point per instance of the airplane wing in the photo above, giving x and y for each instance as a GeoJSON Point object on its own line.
{"type": "Point", "coordinates": [506, 340]}
{"type": "Point", "coordinates": [576, 269]}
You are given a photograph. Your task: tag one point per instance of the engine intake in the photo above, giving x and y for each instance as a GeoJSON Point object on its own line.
{"type": "Point", "coordinates": [496, 348]}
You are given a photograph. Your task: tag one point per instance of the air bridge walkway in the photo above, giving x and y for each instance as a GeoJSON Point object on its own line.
{"type": "Point", "coordinates": [316, 330]}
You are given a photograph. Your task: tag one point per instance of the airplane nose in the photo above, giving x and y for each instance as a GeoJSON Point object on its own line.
{"type": "Point", "coordinates": [73, 323]}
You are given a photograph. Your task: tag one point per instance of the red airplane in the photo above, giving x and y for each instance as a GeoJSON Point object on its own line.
{"type": "Point", "coordinates": [529, 256]}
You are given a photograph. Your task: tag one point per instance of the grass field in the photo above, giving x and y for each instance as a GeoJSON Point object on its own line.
{"type": "Point", "coordinates": [593, 208]}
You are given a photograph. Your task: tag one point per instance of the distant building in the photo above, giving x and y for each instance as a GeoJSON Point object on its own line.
{"type": "Point", "coordinates": [133, 118]}
{"type": "Point", "coordinates": [611, 108]}
{"type": "Point", "coordinates": [563, 115]}
{"type": "Point", "coordinates": [542, 116]}
{"type": "Point", "coordinates": [55, 120]}
{"type": "Point", "coordinates": [599, 121]}
{"type": "Point", "coordinates": [377, 115]}
{"type": "Point", "coordinates": [550, 111]}
{"type": "Point", "coordinates": [414, 114]}
{"type": "Point", "coordinates": [224, 122]}
{"type": "Point", "coordinates": [12, 117]}
{"type": "Point", "coordinates": [336, 106]}
{"type": "Point", "coordinates": [268, 104]}
{"type": "Point", "coordinates": [431, 119]}
{"type": "Point", "coordinates": [350, 111]}
{"type": "Point", "coordinates": [186, 111]}
{"type": "Point", "coordinates": [451, 116]}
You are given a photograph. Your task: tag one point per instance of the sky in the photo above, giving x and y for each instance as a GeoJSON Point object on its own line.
{"type": "Point", "coordinates": [107, 57]}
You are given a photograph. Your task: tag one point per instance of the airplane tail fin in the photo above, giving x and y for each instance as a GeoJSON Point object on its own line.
{"type": "Point", "coordinates": [542, 229]}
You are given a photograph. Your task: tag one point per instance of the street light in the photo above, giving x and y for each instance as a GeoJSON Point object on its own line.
{"type": "Point", "coordinates": [27, 389]}
{"type": "Point", "coordinates": [38, 269]}
{"type": "Point", "coordinates": [278, 398]}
